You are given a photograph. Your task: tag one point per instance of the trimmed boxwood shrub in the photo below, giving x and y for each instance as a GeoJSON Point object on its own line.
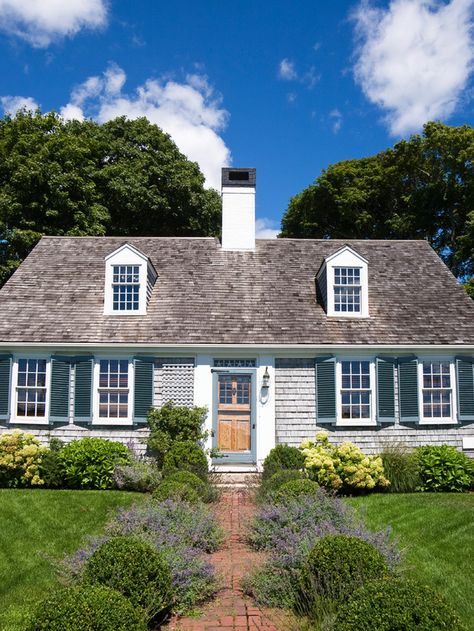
{"type": "Point", "coordinates": [202, 488]}
{"type": "Point", "coordinates": [282, 457]}
{"type": "Point", "coordinates": [292, 490]}
{"type": "Point", "coordinates": [86, 608]}
{"type": "Point", "coordinates": [135, 569]}
{"type": "Point", "coordinates": [270, 485]}
{"type": "Point", "coordinates": [188, 456]}
{"type": "Point", "coordinates": [394, 603]}
{"type": "Point", "coordinates": [444, 468]}
{"type": "Point", "coordinates": [338, 564]}
{"type": "Point", "coordinates": [173, 489]}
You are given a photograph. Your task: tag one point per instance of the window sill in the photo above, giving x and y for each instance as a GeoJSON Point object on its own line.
{"type": "Point", "coordinates": [108, 422]}
{"type": "Point", "coordinates": [431, 421]}
{"type": "Point", "coordinates": [356, 424]}
{"type": "Point", "coordinates": [29, 421]}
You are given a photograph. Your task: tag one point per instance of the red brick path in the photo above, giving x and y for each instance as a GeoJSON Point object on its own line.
{"type": "Point", "coordinates": [231, 610]}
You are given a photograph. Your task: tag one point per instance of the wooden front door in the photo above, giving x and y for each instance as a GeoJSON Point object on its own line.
{"type": "Point", "coordinates": [234, 417]}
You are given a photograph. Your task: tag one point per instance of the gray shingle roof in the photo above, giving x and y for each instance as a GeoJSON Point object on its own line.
{"type": "Point", "coordinates": [204, 295]}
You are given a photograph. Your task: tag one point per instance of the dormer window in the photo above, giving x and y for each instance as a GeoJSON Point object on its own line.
{"type": "Point", "coordinates": [347, 289]}
{"type": "Point", "coordinates": [126, 287]}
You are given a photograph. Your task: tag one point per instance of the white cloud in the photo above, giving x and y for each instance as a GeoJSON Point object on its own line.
{"type": "Point", "coordinates": [40, 22]}
{"type": "Point", "coordinates": [265, 229]}
{"type": "Point", "coordinates": [287, 71]}
{"type": "Point", "coordinates": [190, 112]}
{"type": "Point", "coordinates": [336, 118]}
{"type": "Point", "coordinates": [12, 104]}
{"type": "Point", "coordinates": [414, 58]}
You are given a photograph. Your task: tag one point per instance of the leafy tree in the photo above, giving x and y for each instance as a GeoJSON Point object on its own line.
{"type": "Point", "coordinates": [422, 188]}
{"type": "Point", "coordinates": [82, 178]}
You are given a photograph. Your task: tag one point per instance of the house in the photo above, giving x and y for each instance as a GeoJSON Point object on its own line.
{"type": "Point", "coordinates": [371, 340]}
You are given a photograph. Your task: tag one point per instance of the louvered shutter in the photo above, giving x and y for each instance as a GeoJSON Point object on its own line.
{"type": "Point", "coordinates": [83, 390]}
{"type": "Point", "coordinates": [408, 389]}
{"type": "Point", "coordinates": [385, 389]}
{"type": "Point", "coordinates": [465, 384]}
{"type": "Point", "coordinates": [5, 380]}
{"type": "Point", "coordinates": [59, 397]}
{"type": "Point", "coordinates": [143, 388]}
{"type": "Point", "coordinates": [325, 369]}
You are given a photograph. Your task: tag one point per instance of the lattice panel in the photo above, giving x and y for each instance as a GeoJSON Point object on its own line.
{"type": "Point", "coordinates": [177, 383]}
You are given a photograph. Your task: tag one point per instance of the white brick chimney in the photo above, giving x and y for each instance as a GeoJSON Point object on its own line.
{"type": "Point", "coordinates": [238, 209]}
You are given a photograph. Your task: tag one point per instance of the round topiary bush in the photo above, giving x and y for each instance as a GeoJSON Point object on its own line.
{"type": "Point", "coordinates": [394, 603]}
{"type": "Point", "coordinates": [203, 489]}
{"type": "Point", "coordinates": [86, 608]}
{"type": "Point", "coordinates": [292, 490]}
{"type": "Point", "coordinates": [188, 456]}
{"type": "Point", "coordinates": [282, 457]}
{"type": "Point", "coordinates": [270, 485]}
{"type": "Point", "coordinates": [338, 564]}
{"type": "Point", "coordinates": [135, 569]}
{"type": "Point", "coordinates": [173, 489]}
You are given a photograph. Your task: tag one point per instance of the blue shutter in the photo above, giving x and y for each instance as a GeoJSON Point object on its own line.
{"type": "Point", "coordinates": [143, 388]}
{"type": "Point", "coordinates": [5, 380]}
{"type": "Point", "coordinates": [59, 397]}
{"type": "Point", "coordinates": [83, 390]}
{"type": "Point", "coordinates": [408, 389]}
{"type": "Point", "coordinates": [465, 384]}
{"type": "Point", "coordinates": [385, 389]}
{"type": "Point", "coordinates": [325, 369]}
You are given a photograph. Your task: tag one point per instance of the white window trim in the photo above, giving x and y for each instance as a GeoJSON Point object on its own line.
{"type": "Point", "coordinates": [29, 420]}
{"type": "Point", "coordinates": [346, 257]}
{"type": "Point", "coordinates": [124, 256]}
{"type": "Point", "coordinates": [342, 422]}
{"type": "Point", "coordinates": [453, 420]}
{"type": "Point", "coordinates": [100, 420]}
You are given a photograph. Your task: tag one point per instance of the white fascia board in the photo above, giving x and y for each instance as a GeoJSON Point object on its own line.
{"type": "Point", "coordinates": [131, 248]}
{"type": "Point", "coordinates": [346, 248]}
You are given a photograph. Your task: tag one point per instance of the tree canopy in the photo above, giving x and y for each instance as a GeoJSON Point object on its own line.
{"type": "Point", "coordinates": [422, 188]}
{"type": "Point", "coordinates": [125, 177]}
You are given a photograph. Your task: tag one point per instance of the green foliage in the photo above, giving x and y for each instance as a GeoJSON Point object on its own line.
{"type": "Point", "coordinates": [282, 457]}
{"type": "Point", "coordinates": [125, 177]}
{"type": "Point", "coordinates": [188, 456]}
{"type": "Point", "coordinates": [137, 476]}
{"type": "Point", "coordinates": [173, 489]}
{"type": "Point", "coordinates": [422, 188]}
{"type": "Point", "coordinates": [273, 483]}
{"type": "Point", "coordinates": [202, 487]}
{"type": "Point", "coordinates": [50, 468]}
{"type": "Point", "coordinates": [400, 467]}
{"type": "Point", "coordinates": [172, 423]}
{"type": "Point", "coordinates": [342, 467]}
{"type": "Point", "coordinates": [87, 608]}
{"type": "Point", "coordinates": [21, 456]}
{"type": "Point", "coordinates": [293, 490]}
{"type": "Point", "coordinates": [338, 564]}
{"type": "Point", "coordinates": [444, 468]}
{"type": "Point", "coordinates": [136, 569]}
{"type": "Point", "coordinates": [469, 287]}
{"type": "Point", "coordinates": [394, 603]}
{"type": "Point", "coordinates": [89, 463]}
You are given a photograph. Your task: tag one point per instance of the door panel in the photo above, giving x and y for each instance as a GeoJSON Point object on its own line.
{"type": "Point", "coordinates": [234, 413]}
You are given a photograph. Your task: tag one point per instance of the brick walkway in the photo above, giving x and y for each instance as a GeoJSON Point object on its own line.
{"type": "Point", "coordinates": [231, 610]}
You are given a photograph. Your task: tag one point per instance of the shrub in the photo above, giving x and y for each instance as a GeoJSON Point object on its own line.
{"type": "Point", "coordinates": [21, 456]}
{"type": "Point", "coordinates": [444, 468]}
{"type": "Point", "coordinates": [202, 488]}
{"type": "Point", "coordinates": [138, 476]}
{"type": "Point", "coordinates": [187, 456]}
{"type": "Point", "coordinates": [342, 467]}
{"type": "Point", "coordinates": [400, 467]}
{"type": "Point", "coordinates": [173, 489]}
{"type": "Point", "coordinates": [394, 603]}
{"type": "Point", "coordinates": [50, 468]}
{"type": "Point", "coordinates": [135, 569]}
{"type": "Point", "coordinates": [272, 484]}
{"type": "Point", "coordinates": [293, 490]}
{"type": "Point", "coordinates": [89, 463]}
{"type": "Point", "coordinates": [340, 563]}
{"type": "Point", "coordinates": [172, 423]}
{"type": "Point", "coordinates": [86, 608]}
{"type": "Point", "coordinates": [282, 457]}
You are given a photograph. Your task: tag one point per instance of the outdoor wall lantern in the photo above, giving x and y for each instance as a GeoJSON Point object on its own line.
{"type": "Point", "coordinates": [265, 380]}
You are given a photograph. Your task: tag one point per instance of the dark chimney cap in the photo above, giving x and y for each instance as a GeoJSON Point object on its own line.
{"type": "Point", "coordinates": [239, 177]}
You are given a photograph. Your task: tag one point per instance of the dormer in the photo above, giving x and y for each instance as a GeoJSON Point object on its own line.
{"type": "Point", "coordinates": [343, 284]}
{"type": "Point", "coordinates": [129, 280]}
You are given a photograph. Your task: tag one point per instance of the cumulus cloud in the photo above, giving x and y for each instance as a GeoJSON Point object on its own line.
{"type": "Point", "coordinates": [286, 70]}
{"type": "Point", "coordinates": [12, 104]}
{"type": "Point", "coordinates": [40, 22]}
{"type": "Point", "coordinates": [414, 58]}
{"type": "Point", "coordinates": [189, 111]}
{"type": "Point", "coordinates": [266, 229]}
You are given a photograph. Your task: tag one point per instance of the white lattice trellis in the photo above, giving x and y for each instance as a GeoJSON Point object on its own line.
{"type": "Point", "coordinates": [177, 383]}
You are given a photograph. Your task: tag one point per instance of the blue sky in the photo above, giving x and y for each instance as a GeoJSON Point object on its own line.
{"type": "Point", "coordinates": [286, 87]}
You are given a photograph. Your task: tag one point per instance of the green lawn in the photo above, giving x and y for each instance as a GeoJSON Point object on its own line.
{"type": "Point", "coordinates": [37, 526]}
{"type": "Point", "coordinates": [436, 535]}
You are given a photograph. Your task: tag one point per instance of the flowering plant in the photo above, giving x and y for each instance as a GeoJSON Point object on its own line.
{"type": "Point", "coordinates": [20, 459]}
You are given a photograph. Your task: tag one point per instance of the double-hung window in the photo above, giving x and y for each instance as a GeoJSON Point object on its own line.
{"type": "Point", "coordinates": [113, 388]}
{"type": "Point", "coordinates": [437, 390]}
{"type": "Point", "coordinates": [347, 290]}
{"type": "Point", "coordinates": [126, 287]}
{"type": "Point", "coordinates": [31, 388]}
{"type": "Point", "coordinates": [356, 392]}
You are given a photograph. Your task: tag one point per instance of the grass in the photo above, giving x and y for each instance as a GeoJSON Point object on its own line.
{"type": "Point", "coordinates": [38, 526]}
{"type": "Point", "coordinates": [436, 536]}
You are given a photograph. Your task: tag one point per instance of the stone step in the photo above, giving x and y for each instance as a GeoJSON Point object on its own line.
{"type": "Point", "coordinates": [235, 479]}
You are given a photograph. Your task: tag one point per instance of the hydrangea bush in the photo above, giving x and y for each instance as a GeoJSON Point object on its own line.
{"type": "Point", "coordinates": [342, 467]}
{"type": "Point", "coordinates": [20, 460]}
